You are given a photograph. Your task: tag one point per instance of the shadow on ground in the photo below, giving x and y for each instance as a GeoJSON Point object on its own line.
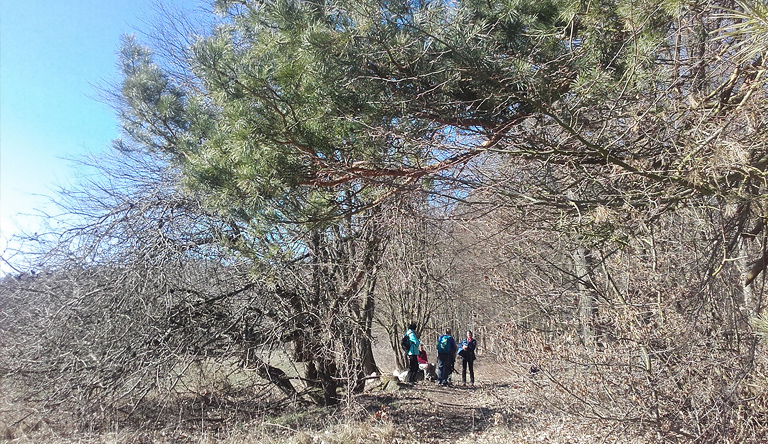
{"type": "Point", "coordinates": [430, 412]}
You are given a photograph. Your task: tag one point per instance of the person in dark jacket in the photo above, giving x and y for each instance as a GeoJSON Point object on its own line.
{"type": "Point", "coordinates": [446, 352]}
{"type": "Point", "coordinates": [467, 352]}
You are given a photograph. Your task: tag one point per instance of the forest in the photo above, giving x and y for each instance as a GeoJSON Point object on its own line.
{"type": "Point", "coordinates": [581, 183]}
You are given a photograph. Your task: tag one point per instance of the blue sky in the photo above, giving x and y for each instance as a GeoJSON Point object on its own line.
{"type": "Point", "coordinates": [53, 55]}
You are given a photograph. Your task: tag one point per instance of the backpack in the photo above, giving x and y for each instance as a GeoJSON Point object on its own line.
{"type": "Point", "coordinates": [443, 344]}
{"type": "Point", "coordinates": [405, 342]}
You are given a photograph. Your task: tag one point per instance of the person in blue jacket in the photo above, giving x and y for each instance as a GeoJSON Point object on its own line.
{"type": "Point", "coordinates": [413, 354]}
{"type": "Point", "coordinates": [446, 352]}
{"type": "Point", "coordinates": [467, 352]}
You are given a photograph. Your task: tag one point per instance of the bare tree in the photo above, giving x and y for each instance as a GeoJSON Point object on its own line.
{"type": "Point", "coordinates": [417, 281]}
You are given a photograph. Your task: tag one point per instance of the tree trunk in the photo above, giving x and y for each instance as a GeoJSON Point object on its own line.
{"type": "Point", "coordinates": [272, 374]}
{"type": "Point", "coordinates": [751, 302]}
{"type": "Point", "coordinates": [368, 363]}
{"type": "Point", "coordinates": [747, 279]}
{"type": "Point", "coordinates": [582, 260]}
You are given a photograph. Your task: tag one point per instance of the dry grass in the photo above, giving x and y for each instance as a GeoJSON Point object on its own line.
{"type": "Point", "coordinates": [548, 430]}
{"type": "Point", "coordinates": [501, 408]}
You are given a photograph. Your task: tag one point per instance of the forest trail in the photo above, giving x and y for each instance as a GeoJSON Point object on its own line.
{"type": "Point", "coordinates": [502, 407]}
{"type": "Point", "coordinates": [436, 414]}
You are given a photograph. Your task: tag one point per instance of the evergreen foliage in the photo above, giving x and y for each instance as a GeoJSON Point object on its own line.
{"type": "Point", "coordinates": [585, 181]}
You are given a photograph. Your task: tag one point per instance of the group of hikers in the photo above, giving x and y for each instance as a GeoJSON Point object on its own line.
{"type": "Point", "coordinates": [447, 351]}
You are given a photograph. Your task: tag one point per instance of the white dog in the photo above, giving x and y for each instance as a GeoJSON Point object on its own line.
{"type": "Point", "coordinates": [399, 374]}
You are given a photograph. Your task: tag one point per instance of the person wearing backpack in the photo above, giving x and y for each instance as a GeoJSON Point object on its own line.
{"type": "Point", "coordinates": [446, 349]}
{"type": "Point", "coordinates": [467, 351]}
{"type": "Point", "coordinates": [412, 353]}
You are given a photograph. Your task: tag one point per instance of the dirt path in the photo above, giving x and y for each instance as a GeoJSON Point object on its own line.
{"type": "Point", "coordinates": [432, 413]}
{"type": "Point", "coordinates": [499, 408]}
